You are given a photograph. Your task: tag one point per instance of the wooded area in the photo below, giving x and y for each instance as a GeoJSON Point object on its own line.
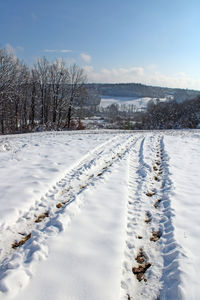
{"type": "Point", "coordinates": [170, 115]}
{"type": "Point", "coordinates": [38, 96]}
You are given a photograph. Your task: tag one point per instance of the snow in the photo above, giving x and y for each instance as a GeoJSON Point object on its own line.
{"type": "Point", "coordinates": [92, 252]}
{"type": "Point", "coordinates": [138, 103]}
{"type": "Point", "coordinates": [33, 164]}
{"type": "Point", "coordinates": [185, 173]}
{"type": "Point", "coordinates": [103, 196]}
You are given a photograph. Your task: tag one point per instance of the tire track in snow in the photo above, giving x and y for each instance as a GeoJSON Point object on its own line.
{"type": "Point", "coordinates": [138, 231]}
{"type": "Point", "coordinates": [24, 224]}
{"type": "Point", "coordinates": [151, 252]}
{"type": "Point", "coordinates": [66, 192]}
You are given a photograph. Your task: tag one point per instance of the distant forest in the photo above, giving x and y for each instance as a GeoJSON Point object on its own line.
{"type": "Point", "coordinates": [140, 90]}
{"type": "Point", "coordinates": [170, 115]}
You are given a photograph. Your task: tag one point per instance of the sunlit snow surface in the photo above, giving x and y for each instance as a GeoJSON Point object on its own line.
{"type": "Point", "coordinates": [86, 248]}
{"type": "Point", "coordinates": [125, 103]}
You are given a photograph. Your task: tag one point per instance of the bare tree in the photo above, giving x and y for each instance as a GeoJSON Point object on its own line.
{"type": "Point", "coordinates": [42, 71]}
{"type": "Point", "coordinates": [59, 78]}
{"type": "Point", "coordinates": [44, 94]}
{"type": "Point", "coordinates": [77, 79]}
{"type": "Point", "coordinates": [8, 70]}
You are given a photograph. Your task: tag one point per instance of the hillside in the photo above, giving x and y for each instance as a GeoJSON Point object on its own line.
{"type": "Point", "coordinates": [140, 90]}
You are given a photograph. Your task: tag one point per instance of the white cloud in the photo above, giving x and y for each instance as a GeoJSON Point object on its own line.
{"type": "Point", "coordinates": [149, 76]}
{"type": "Point", "coordinates": [86, 57]}
{"type": "Point", "coordinates": [65, 51]}
{"type": "Point", "coordinates": [57, 51]}
{"type": "Point", "coordinates": [50, 50]}
{"type": "Point", "coordinates": [131, 74]}
{"type": "Point", "coordinates": [88, 68]}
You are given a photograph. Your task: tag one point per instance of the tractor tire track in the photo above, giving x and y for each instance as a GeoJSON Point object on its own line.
{"type": "Point", "coordinates": [151, 252]}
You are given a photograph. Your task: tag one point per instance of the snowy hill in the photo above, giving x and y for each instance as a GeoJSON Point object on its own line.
{"type": "Point", "coordinates": [137, 90]}
{"type": "Point", "coordinates": [99, 215]}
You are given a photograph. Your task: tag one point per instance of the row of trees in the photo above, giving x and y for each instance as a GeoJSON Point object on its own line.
{"type": "Point", "coordinates": [42, 95]}
{"type": "Point", "coordinates": [170, 115]}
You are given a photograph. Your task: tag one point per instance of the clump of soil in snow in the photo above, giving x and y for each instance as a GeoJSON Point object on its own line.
{"type": "Point", "coordinates": [157, 203]}
{"type": "Point", "coordinates": [59, 205]}
{"type": "Point", "coordinates": [21, 242]}
{"type": "Point", "coordinates": [41, 217]}
{"type": "Point", "coordinates": [100, 173]}
{"type": "Point", "coordinates": [155, 236]}
{"type": "Point", "coordinates": [140, 258]}
{"type": "Point", "coordinates": [83, 186]}
{"type": "Point", "coordinates": [155, 168]}
{"type": "Point", "coordinates": [148, 217]}
{"type": "Point", "coordinates": [150, 194]}
{"type": "Point", "coordinates": [143, 265]}
{"type": "Point", "coordinates": [156, 178]}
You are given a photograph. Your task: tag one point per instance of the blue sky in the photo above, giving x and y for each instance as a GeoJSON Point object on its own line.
{"type": "Point", "coordinates": [150, 41]}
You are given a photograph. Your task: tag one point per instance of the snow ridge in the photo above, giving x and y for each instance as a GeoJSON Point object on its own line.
{"type": "Point", "coordinates": [171, 250]}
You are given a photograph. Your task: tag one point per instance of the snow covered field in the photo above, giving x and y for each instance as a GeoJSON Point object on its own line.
{"type": "Point", "coordinates": [138, 103]}
{"type": "Point", "coordinates": [100, 215]}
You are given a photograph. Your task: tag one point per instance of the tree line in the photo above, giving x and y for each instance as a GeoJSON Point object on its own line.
{"type": "Point", "coordinates": [38, 96]}
{"type": "Point", "coordinates": [170, 115]}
